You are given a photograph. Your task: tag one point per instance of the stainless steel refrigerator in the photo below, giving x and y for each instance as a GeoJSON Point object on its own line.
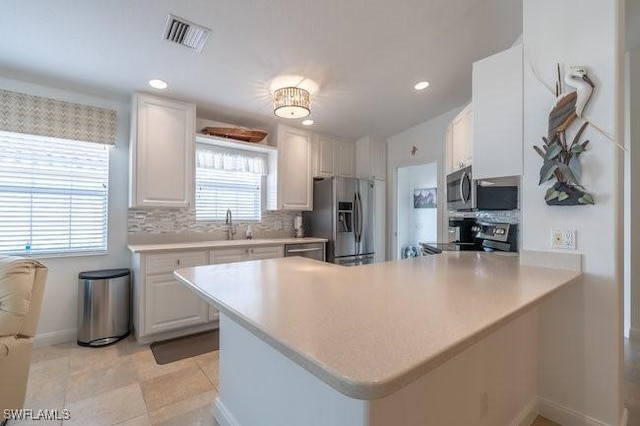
{"type": "Point", "coordinates": [343, 212]}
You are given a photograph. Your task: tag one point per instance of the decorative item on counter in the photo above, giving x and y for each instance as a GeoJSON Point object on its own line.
{"type": "Point", "coordinates": [561, 160]}
{"type": "Point", "coordinates": [297, 226]}
{"type": "Point", "coordinates": [248, 233]}
{"type": "Point", "coordinates": [238, 133]}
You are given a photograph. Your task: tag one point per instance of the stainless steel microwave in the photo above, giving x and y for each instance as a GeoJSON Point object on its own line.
{"type": "Point", "coordinates": [461, 190]}
{"type": "Point", "coordinates": [465, 194]}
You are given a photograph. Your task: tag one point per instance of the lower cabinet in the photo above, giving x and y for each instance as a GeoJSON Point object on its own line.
{"type": "Point", "coordinates": [170, 305]}
{"type": "Point", "coordinates": [160, 303]}
{"type": "Point", "coordinates": [163, 307]}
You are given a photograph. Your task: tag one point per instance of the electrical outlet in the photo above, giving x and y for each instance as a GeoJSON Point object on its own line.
{"type": "Point", "coordinates": [278, 225]}
{"type": "Point", "coordinates": [563, 239]}
{"type": "Point", "coordinates": [484, 405]}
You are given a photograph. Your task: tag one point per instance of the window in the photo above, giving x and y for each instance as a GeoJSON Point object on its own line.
{"type": "Point", "coordinates": [53, 195]}
{"type": "Point", "coordinates": [228, 179]}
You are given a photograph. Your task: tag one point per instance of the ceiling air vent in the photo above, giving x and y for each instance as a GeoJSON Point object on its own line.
{"type": "Point", "coordinates": [185, 33]}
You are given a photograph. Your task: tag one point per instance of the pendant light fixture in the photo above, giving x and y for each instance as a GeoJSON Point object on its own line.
{"type": "Point", "coordinates": [291, 102]}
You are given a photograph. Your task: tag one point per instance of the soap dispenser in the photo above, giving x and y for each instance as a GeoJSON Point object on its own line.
{"type": "Point", "coordinates": [248, 233]}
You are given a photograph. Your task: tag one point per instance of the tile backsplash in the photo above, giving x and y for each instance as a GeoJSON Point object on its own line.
{"type": "Point", "coordinates": [157, 222]}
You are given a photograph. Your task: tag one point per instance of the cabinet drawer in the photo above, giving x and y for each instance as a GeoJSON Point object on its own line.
{"type": "Point", "coordinates": [168, 262]}
{"type": "Point", "coordinates": [228, 255]}
{"type": "Point", "coordinates": [258, 253]}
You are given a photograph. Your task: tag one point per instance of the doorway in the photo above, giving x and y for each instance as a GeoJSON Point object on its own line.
{"type": "Point", "coordinates": [417, 207]}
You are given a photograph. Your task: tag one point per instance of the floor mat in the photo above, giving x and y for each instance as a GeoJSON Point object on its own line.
{"type": "Point", "coordinates": [179, 348]}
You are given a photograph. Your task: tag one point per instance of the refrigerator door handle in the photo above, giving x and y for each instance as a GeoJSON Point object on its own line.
{"type": "Point", "coordinates": [358, 224]}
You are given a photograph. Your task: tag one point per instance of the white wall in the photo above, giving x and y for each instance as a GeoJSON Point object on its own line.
{"type": "Point", "coordinates": [58, 318]}
{"type": "Point", "coordinates": [429, 138]}
{"type": "Point", "coordinates": [416, 225]}
{"type": "Point", "coordinates": [580, 355]}
{"type": "Point", "coordinates": [632, 195]}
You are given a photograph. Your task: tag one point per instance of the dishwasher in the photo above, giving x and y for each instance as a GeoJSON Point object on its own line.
{"type": "Point", "coordinates": [311, 250]}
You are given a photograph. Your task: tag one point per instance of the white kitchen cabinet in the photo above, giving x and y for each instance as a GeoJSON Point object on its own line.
{"type": "Point", "coordinates": [241, 254]}
{"type": "Point", "coordinates": [371, 159]}
{"type": "Point", "coordinates": [291, 186]}
{"type": "Point", "coordinates": [163, 308]}
{"type": "Point", "coordinates": [161, 152]}
{"type": "Point", "coordinates": [324, 164]}
{"type": "Point", "coordinates": [498, 115]}
{"type": "Point", "coordinates": [161, 303]}
{"type": "Point", "coordinates": [345, 159]}
{"type": "Point", "coordinates": [460, 140]}
{"type": "Point", "coordinates": [333, 157]}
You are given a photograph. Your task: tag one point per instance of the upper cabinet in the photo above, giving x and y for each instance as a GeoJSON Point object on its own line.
{"type": "Point", "coordinates": [291, 186]}
{"type": "Point", "coordinates": [460, 140]}
{"type": "Point", "coordinates": [371, 159]}
{"type": "Point", "coordinates": [324, 153]}
{"type": "Point", "coordinates": [345, 158]}
{"type": "Point", "coordinates": [497, 121]}
{"type": "Point", "coordinates": [333, 157]}
{"type": "Point", "coordinates": [161, 152]}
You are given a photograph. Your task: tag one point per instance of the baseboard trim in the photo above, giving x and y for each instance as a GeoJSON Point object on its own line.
{"type": "Point", "coordinates": [222, 415]}
{"type": "Point", "coordinates": [527, 415]}
{"type": "Point", "coordinates": [55, 337]}
{"type": "Point", "coordinates": [565, 415]}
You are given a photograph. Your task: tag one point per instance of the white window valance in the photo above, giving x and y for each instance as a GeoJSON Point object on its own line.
{"type": "Point", "coordinates": [35, 115]}
{"type": "Point", "coordinates": [230, 160]}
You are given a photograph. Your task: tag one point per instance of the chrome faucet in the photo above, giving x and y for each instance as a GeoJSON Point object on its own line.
{"type": "Point", "coordinates": [232, 228]}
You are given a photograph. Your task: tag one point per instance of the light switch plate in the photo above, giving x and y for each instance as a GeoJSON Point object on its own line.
{"type": "Point", "coordinates": [563, 239]}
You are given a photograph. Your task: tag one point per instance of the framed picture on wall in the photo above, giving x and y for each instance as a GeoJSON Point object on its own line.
{"type": "Point", "coordinates": [424, 198]}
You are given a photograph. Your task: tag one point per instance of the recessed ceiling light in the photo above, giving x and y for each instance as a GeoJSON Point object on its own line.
{"type": "Point", "coordinates": [421, 85]}
{"type": "Point", "coordinates": [158, 84]}
{"type": "Point", "coordinates": [307, 122]}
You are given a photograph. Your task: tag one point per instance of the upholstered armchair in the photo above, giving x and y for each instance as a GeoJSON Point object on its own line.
{"type": "Point", "coordinates": [21, 288]}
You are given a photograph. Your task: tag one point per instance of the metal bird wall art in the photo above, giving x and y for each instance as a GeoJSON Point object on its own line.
{"type": "Point", "coordinates": [561, 160]}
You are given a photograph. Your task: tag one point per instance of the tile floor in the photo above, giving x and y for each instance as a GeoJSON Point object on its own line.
{"type": "Point", "coordinates": [122, 385]}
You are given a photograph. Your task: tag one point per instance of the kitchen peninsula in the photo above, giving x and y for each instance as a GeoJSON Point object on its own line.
{"type": "Point", "coordinates": [440, 340]}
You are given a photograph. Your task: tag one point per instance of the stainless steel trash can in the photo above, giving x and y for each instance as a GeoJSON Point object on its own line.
{"type": "Point", "coordinates": [103, 306]}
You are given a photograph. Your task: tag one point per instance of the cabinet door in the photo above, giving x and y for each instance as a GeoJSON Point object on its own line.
{"type": "Point", "coordinates": [345, 159]}
{"type": "Point", "coordinates": [325, 156]}
{"type": "Point", "coordinates": [462, 138]}
{"type": "Point", "coordinates": [295, 183]}
{"type": "Point", "coordinates": [161, 152]}
{"type": "Point", "coordinates": [379, 160]}
{"type": "Point", "coordinates": [497, 115]}
{"type": "Point", "coordinates": [258, 253]}
{"type": "Point", "coordinates": [170, 305]}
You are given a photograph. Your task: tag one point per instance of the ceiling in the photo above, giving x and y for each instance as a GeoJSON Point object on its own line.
{"type": "Point", "coordinates": [365, 55]}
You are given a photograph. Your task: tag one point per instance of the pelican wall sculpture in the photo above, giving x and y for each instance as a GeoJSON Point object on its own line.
{"type": "Point", "coordinates": [561, 160]}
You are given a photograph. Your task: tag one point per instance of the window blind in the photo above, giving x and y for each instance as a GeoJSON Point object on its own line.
{"type": "Point", "coordinates": [53, 195]}
{"type": "Point", "coordinates": [219, 190]}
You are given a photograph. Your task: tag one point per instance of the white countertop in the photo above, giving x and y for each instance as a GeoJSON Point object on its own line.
{"type": "Point", "coordinates": [370, 330]}
{"type": "Point", "coordinates": [141, 248]}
